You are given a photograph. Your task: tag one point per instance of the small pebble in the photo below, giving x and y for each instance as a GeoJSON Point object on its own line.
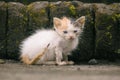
{"type": "Point", "coordinates": [92, 61]}
{"type": "Point", "coordinates": [78, 69]}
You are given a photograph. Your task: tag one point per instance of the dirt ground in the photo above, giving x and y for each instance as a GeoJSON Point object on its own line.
{"type": "Point", "coordinates": [19, 71]}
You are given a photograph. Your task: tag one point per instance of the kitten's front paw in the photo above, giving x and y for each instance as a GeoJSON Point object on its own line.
{"type": "Point", "coordinates": [70, 62]}
{"type": "Point", "coordinates": [62, 63]}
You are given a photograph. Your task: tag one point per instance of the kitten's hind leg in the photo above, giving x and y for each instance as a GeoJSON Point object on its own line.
{"type": "Point", "coordinates": [36, 58]}
{"type": "Point", "coordinates": [26, 59]}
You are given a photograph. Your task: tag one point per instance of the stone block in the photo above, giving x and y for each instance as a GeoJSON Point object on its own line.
{"type": "Point", "coordinates": [38, 16]}
{"type": "Point", "coordinates": [107, 30]}
{"type": "Point", "coordinates": [3, 28]}
{"type": "Point", "coordinates": [16, 31]}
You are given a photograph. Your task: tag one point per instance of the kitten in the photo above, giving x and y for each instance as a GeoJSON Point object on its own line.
{"type": "Point", "coordinates": [53, 45]}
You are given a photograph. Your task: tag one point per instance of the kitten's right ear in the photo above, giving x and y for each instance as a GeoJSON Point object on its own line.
{"type": "Point", "coordinates": [56, 22]}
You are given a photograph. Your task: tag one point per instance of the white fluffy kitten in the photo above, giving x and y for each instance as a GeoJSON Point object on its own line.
{"type": "Point", "coordinates": [55, 44]}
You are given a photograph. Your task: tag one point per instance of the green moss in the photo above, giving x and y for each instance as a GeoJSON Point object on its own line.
{"type": "Point", "coordinates": [109, 35]}
{"type": "Point", "coordinates": [117, 15]}
{"type": "Point", "coordinates": [25, 18]}
{"type": "Point", "coordinates": [29, 7]}
{"type": "Point", "coordinates": [42, 11]}
{"type": "Point", "coordinates": [72, 9]}
{"type": "Point", "coordinates": [114, 18]}
{"type": "Point", "coordinates": [118, 51]}
{"type": "Point", "coordinates": [52, 6]}
{"type": "Point", "coordinates": [109, 27]}
{"type": "Point", "coordinates": [115, 6]}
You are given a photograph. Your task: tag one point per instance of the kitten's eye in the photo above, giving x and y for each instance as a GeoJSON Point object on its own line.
{"type": "Point", "coordinates": [75, 31]}
{"type": "Point", "coordinates": [65, 32]}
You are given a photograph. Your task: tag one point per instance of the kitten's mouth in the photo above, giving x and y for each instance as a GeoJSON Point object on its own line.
{"type": "Point", "coordinates": [71, 38]}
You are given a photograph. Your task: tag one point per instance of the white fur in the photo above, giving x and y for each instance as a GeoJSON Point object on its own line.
{"type": "Point", "coordinates": [59, 43]}
{"type": "Point", "coordinates": [34, 44]}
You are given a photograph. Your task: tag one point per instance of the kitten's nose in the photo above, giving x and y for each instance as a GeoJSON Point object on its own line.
{"type": "Point", "coordinates": [71, 38]}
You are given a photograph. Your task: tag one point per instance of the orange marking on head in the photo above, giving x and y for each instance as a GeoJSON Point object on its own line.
{"type": "Point", "coordinates": [61, 24]}
{"type": "Point", "coordinates": [65, 21]}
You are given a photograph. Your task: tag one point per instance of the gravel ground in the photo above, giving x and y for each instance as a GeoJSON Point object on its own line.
{"type": "Point", "coordinates": [19, 71]}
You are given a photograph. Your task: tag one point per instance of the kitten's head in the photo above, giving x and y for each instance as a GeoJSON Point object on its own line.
{"type": "Point", "coordinates": [68, 29]}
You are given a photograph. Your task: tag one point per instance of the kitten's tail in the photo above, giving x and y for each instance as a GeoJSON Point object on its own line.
{"type": "Point", "coordinates": [26, 59]}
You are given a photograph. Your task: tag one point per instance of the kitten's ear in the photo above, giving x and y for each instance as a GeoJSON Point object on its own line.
{"type": "Point", "coordinates": [80, 22]}
{"type": "Point", "coordinates": [57, 22]}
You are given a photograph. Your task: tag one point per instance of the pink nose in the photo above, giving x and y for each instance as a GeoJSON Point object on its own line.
{"type": "Point", "coordinates": [71, 37]}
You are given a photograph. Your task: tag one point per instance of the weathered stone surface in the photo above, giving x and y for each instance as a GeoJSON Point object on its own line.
{"type": "Point", "coordinates": [17, 23]}
{"type": "Point", "coordinates": [85, 50]}
{"type": "Point", "coordinates": [38, 15]}
{"type": "Point", "coordinates": [3, 16]}
{"type": "Point", "coordinates": [75, 9]}
{"type": "Point", "coordinates": [107, 30]}
{"type": "Point", "coordinates": [60, 9]}
{"type": "Point", "coordinates": [116, 7]}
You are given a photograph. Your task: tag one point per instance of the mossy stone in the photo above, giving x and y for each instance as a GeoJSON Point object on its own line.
{"type": "Point", "coordinates": [85, 50]}
{"type": "Point", "coordinates": [17, 23]}
{"type": "Point", "coordinates": [38, 16]}
{"type": "Point", "coordinates": [3, 16]}
{"type": "Point", "coordinates": [107, 29]}
{"type": "Point", "coordinates": [116, 18]}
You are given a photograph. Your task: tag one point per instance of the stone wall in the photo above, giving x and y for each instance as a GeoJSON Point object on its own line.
{"type": "Point", "coordinates": [100, 39]}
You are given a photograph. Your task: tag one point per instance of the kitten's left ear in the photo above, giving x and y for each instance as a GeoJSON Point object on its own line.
{"type": "Point", "coordinates": [80, 22]}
